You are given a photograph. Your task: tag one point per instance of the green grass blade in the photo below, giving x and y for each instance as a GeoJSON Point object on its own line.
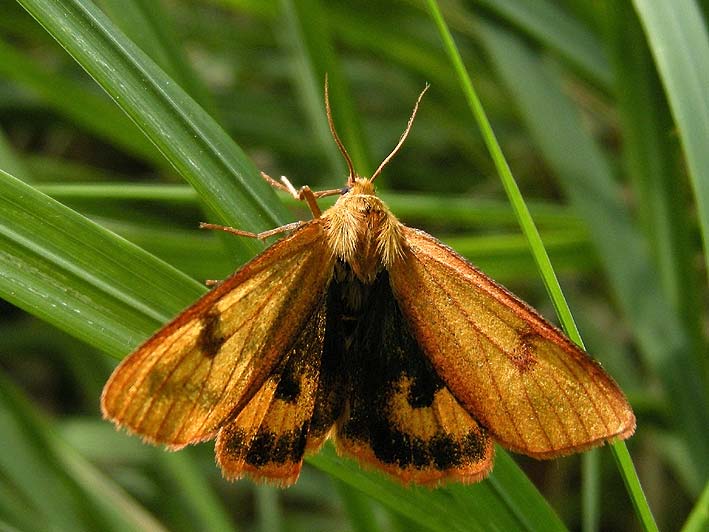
{"type": "Point", "coordinates": [590, 491]}
{"type": "Point", "coordinates": [451, 210]}
{"type": "Point", "coordinates": [632, 484]}
{"type": "Point", "coordinates": [679, 41]}
{"type": "Point", "coordinates": [147, 23]}
{"type": "Point", "coordinates": [59, 266]}
{"type": "Point", "coordinates": [699, 518]}
{"type": "Point", "coordinates": [51, 483]}
{"type": "Point", "coordinates": [191, 141]}
{"type": "Point", "coordinates": [506, 256]}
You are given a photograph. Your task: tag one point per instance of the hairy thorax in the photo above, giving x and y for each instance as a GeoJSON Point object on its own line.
{"type": "Point", "coordinates": [363, 232]}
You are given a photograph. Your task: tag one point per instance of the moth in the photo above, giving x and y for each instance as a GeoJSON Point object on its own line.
{"type": "Point", "coordinates": [357, 328]}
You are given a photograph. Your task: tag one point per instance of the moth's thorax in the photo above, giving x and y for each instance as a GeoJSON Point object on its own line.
{"type": "Point", "coordinates": [363, 232]}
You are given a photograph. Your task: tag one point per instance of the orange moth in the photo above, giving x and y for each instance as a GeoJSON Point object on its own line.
{"type": "Point", "coordinates": [358, 328]}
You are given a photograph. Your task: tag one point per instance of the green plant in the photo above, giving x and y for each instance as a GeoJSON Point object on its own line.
{"type": "Point", "coordinates": [560, 85]}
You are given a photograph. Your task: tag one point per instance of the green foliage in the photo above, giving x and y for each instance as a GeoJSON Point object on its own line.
{"type": "Point", "coordinates": [600, 114]}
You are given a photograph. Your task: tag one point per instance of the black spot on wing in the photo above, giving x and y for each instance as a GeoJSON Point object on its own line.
{"type": "Point", "coordinates": [267, 447]}
{"type": "Point", "coordinates": [235, 443]}
{"type": "Point", "coordinates": [282, 434]}
{"type": "Point", "coordinates": [288, 388]}
{"type": "Point", "coordinates": [210, 338]}
{"type": "Point", "coordinates": [302, 363]}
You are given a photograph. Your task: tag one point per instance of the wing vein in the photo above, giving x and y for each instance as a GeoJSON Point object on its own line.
{"type": "Point", "coordinates": [488, 363]}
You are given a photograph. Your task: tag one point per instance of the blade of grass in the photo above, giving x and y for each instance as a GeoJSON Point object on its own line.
{"type": "Point", "coordinates": [529, 229]}
{"type": "Point", "coordinates": [190, 140]}
{"type": "Point", "coordinates": [698, 520]}
{"type": "Point", "coordinates": [504, 255]}
{"type": "Point", "coordinates": [57, 487]}
{"type": "Point", "coordinates": [268, 512]}
{"type": "Point", "coordinates": [679, 41]}
{"type": "Point", "coordinates": [507, 501]}
{"type": "Point", "coordinates": [449, 210]}
{"type": "Point", "coordinates": [590, 491]}
{"type": "Point", "coordinates": [148, 25]}
{"type": "Point", "coordinates": [53, 258]}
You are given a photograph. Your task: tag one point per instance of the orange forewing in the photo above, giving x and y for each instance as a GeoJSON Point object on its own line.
{"type": "Point", "coordinates": [182, 384]}
{"type": "Point", "coordinates": [536, 391]}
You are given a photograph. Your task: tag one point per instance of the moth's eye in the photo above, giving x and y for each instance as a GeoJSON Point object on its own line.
{"type": "Point", "coordinates": [344, 191]}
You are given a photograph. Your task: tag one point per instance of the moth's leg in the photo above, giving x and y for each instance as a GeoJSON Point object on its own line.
{"type": "Point", "coordinates": [260, 236]}
{"type": "Point", "coordinates": [304, 194]}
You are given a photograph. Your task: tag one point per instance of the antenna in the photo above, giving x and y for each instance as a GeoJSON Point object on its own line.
{"type": "Point", "coordinates": [341, 147]}
{"type": "Point", "coordinates": [403, 136]}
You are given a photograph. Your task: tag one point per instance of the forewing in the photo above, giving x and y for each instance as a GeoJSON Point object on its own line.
{"type": "Point", "coordinates": [182, 384]}
{"type": "Point", "coordinates": [267, 439]}
{"type": "Point", "coordinates": [535, 390]}
{"type": "Point", "coordinates": [399, 416]}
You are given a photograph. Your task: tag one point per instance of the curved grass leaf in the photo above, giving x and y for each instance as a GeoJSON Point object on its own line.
{"type": "Point", "coordinates": [190, 140]}
{"type": "Point", "coordinates": [45, 485]}
{"type": "Point", "coordinates": [62, 267]}
{"type": "Point", "coordinates": [679, 41]}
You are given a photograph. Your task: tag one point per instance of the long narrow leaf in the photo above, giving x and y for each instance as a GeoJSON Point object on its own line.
{"type": "Point", "coordinates": [192, 142]}
{"type": "Point", "coordinates": [679, 41]}
{"type": "Point", "coordinates": [62, 267]}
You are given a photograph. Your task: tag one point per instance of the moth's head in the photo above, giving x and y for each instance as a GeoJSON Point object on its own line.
{"type": "Point", "coordinates": [355, 183]}
{"type": "Point", "coordinates": [361, 185]}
